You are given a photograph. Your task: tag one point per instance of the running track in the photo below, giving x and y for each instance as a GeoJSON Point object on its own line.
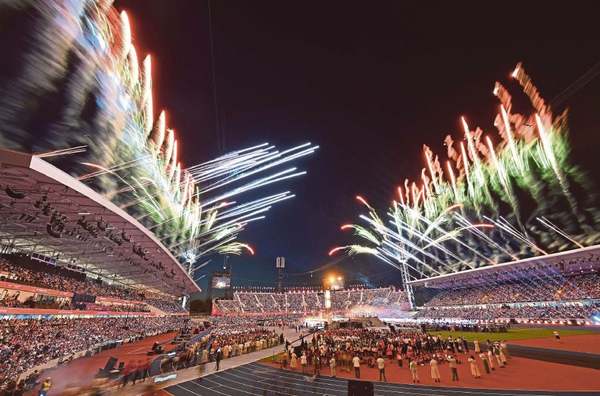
{"type": "Point", "coordinates": [260, 380]}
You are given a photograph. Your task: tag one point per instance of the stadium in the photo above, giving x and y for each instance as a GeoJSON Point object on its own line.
{"type": "Point", "coordinates": [135, 261]}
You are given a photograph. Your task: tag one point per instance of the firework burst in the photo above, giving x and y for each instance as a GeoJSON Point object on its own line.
{"type": "Point", "coordinates": [82, 56]}
{"type": "Point", "coordinates": [491, 202]}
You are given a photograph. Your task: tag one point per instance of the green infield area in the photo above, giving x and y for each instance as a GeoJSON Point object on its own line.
{"type": "Point", "coordinates": [512, 334]}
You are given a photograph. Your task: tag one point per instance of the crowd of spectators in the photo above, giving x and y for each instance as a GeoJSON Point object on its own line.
{"type": "Point", "coordinates": [466, 326]}
{"type": "Point", "coordinates": [115, 307]}
{"type": "Point", "coordinates": [292, 321]}
{"type": "Point", "coordinates": [555, 288]}
{"type": "Point", "coordinates": [525, 312]}
{"type": "Point", "coordinates": [166, 305]}
{"type": "Point", "coordinates": [11, 299]}
{"type": "Point", "coordinates": [21, 270]}
{"type": "Point", "coordinates": [25, 344]}
{"type": "Point", "coordinates": [308, 301]}
{"type": "Point", "coordinates": [38, 274]}
{"type": "Point", "coordinates": [548, 298]}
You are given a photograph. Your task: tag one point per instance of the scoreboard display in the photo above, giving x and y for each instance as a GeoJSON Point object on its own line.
{"type": "Point", "coordinates": [221, 282]}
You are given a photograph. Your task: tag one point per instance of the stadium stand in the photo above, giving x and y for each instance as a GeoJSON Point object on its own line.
{"type": "Point", "coordinates": [556, 288]}
{"type": "Point", "coordinates": [572, 298]}
{"type": "Point", "coordinates": [21, 268]}
{"type": "Point", "coordinates": [576, 287]}
{"type": "Point", "coordinates": [25, 344]}
{"type": "Point", "coordinates": [76, 272]}
{"type": "Point", "coordinates": [307, 301]}
{"type": "Point", "coordinates": [577, 313]}
{"type": "Point", "coordinates": [165, 305]}
{"type": "Point", "coordinates": [56, 288]}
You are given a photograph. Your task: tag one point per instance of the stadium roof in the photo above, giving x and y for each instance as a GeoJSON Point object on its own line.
{"type": "Point", "coordinates": [583, 259]}
{"type": "Point", "coordinates": [44, 210]}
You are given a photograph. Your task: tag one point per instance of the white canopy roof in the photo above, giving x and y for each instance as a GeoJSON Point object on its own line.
{"type": "Point", "coordinates": [584, 259]}
{"type": "Point", "coordinates": [46, 211]}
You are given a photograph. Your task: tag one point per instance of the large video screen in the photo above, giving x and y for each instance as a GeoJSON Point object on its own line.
{"type": "Point", "coordinates": [221, 282]}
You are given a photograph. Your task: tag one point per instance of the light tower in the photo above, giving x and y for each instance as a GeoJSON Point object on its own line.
{"type": "Point", "coordinates": [280, 265]}
{"type": "Point", "coordinates": [408, 289]}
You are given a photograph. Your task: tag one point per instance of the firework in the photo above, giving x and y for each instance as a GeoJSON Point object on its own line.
{"type": "Point", "coordinates": [85, 50]}
{"type": "Point", "coordinates": [488, 205]}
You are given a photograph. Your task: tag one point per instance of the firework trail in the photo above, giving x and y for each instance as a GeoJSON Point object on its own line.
{"type": "Point", "coordinates": [462, 216]}
{"type": "Point", "coordinates": [81, 57]}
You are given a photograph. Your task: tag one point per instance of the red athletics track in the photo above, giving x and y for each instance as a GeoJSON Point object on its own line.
{"type": "Point", "coordinates": [81, 372]}
{"type": "Point", "coordinates": [589, 343]}
{"type": "Point", "coordinates": [520, 373]}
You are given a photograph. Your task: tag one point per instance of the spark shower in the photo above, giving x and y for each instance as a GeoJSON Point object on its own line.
{"type": "Point", "coordinates": [83, 99]}
{"type": "Point", "coordinates": [496, 198]}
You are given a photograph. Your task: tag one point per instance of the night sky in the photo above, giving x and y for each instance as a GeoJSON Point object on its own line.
{"type": "Point", "coordinates": [370, 82]}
